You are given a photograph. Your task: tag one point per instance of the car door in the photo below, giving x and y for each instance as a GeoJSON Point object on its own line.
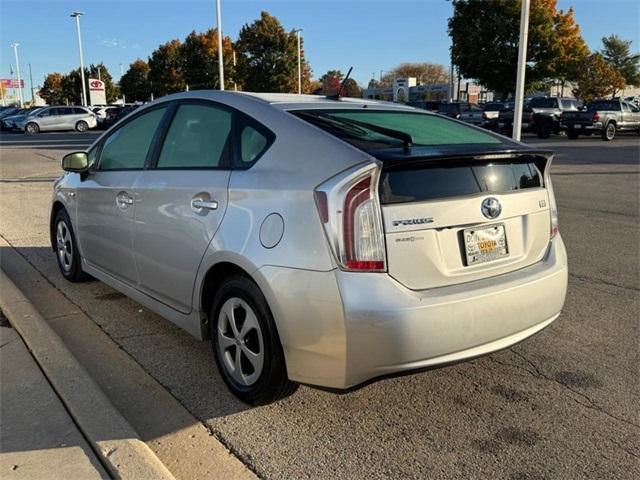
{"type": "Point", "coordinates": [47, 118]}
{"type": "Point", "coordinates": [635, 114]}
{"type": "Point", "coordinates": [182, 200]}
{"type": "Point", "coordinates": [106, 202]}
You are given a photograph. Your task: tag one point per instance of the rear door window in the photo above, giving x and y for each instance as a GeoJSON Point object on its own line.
{"type": "Point", "coordinates": [199, 137]}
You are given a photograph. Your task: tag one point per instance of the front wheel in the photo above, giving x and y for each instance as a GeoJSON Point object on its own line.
{"type": "Point", "coordinates": [66, 248]}
{"type": "Point", "coordinates": [609, 132]}
{"type": "Point", "coordinates": [82, 126]}
{"type": "Point", "coordinates": [31, 128]}
{"type": "Point", "coordinates": [246, 345]}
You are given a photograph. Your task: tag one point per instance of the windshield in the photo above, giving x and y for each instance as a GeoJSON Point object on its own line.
{"type": "Point", "coordinates": [366, 129]}
{"type": "Point", "coordinates": [34, 111]}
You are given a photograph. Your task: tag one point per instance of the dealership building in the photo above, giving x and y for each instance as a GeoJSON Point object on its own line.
{"type": "Point", "coordinates": [407, 90]}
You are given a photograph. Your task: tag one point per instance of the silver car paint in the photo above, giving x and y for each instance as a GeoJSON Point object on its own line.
{"type": "Point", "coordinates": [329, 321]}
{"type": "Point", "coordinates": [58, 122]}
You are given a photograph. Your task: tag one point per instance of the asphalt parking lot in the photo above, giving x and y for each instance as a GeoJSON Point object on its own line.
{"type": "Point", "coordinates": [563, 404]}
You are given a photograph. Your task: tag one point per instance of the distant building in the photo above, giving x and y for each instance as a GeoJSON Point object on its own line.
{"type": "Point", "coordinates": [407, 90]}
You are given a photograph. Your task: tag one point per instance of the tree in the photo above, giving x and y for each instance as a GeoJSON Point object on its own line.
{"type": "Point", "coordinates": [425, 72]}
{"type": "Point", "coordinates": [268, 57]}
{"type": "Point", "coordinates": [617, 53]}
{"type": "Point", "coordinates": [72, 87]}
{"type": "Point", "coordinates": [485, 36]}
{"type": "Point", "coordinates": [200, 60]}
{"type": "Point", "coordinates": [51, 91]}
{"type": "Point", "coordinates": [166, 69]}
{"type": "Point", "coordinates": [597, 78]}
{"type": "Point", "coordinates": [332, 80]}
{"type": "Point", "coordinates": [134, 84]}
{"type": "Point", "coordinates": [572, 49]}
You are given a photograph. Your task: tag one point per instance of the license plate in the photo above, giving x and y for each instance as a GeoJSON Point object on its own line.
{"type": "Point", "coordinates": [485, 244]}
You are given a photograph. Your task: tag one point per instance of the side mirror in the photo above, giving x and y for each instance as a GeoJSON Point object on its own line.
{"type": "Point", "coordinates": [77, 162]}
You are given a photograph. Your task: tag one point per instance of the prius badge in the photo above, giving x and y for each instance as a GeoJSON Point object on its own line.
{"type": "Point", "coordinates": [491, 208]}
{"type": "Point", "coordinates": [412, 221]}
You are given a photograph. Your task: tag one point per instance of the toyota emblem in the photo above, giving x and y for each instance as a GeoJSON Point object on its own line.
{"type": "Point", "coordinates": [491, 208]}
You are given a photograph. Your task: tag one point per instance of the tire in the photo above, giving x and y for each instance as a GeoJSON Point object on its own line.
{"type": "Point", "coordinates": [246, 345]}
{"type": "Point", "coordinates": [544, 131]}
{"type": "Point", "coordinates": [572, 134]}
{"type": "Point", "coordinates": [66, 248]}
{"type": "Point", "coordinates": [31, 128]}
{"type": "Point", "coordinates": [609, 132]}
{"type": "Point", "coordinates": [82, 126]}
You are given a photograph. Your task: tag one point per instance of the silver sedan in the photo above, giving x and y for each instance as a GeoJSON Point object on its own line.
{"type": "Point", "coordinates": [313, 240]}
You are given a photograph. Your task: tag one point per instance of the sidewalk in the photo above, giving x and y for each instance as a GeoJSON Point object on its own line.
{"type": "Point", "coordinates": [38, 438]}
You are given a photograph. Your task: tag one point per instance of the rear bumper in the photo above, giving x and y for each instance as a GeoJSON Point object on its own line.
{"type": "Point", "coordinates": [356, 327]}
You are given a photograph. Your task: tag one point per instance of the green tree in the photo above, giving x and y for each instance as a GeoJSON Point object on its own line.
{"type": "Point", "coordinates": [597, 79]}
{"type": "Point", "coordinates": [425, 72]}
{"type": "Point", "coordinates": [110, 88]}
{"type": "Point", "coordinates": [617, 53]}
{"type": "Point", "coordinates": [268, 57]}
{"type": "Point", "coordinates": [51, 90]}
{"type": "Point", "coordinates": [134, 84]}
{"type": "Point", "coordinates": [485, 35]}
{"type": "Point", "coordinates": [572, 49]}
{"type": "Point", "coordinates": [166, 69]}
{"type": "Point", "coordinates": [72, 87]}
{"type": "Point", "coordinates": [200, 57]}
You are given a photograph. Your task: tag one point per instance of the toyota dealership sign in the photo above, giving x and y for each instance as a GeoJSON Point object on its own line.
{"type": "Point", "coordinates": [97, 95]}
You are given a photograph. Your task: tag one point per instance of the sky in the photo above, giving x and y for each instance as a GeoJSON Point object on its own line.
{"type": "Point", "coordinates": [370, 35]}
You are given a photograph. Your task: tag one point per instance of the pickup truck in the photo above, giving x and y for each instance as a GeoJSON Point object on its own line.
{"type": "Point", "coordinates": [487, 117]}
{"type": "Point", "coordinates": [606, 117]}
{"type": "Point", "coordinates": [542, 116]}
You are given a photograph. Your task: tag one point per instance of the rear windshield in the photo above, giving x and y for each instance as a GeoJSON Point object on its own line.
{"type": "Point", "coordinates": [543, 103]}
{"type": "Point", "coordinates": [362, 128]}
{"type": "Point", "coordinates": [454, 180]}
{"type": "Point", "coordinates": [603, 105]}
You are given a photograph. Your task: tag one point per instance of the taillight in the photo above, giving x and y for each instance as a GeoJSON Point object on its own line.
{"type": "Point", "coordinates": [553, 208]}
{"type": "Point", "coordinates": [531, 117]}
{"type": "Point", "coordinates": [596, 117]}
{"type": "Point", "coordinates": [349, 210]}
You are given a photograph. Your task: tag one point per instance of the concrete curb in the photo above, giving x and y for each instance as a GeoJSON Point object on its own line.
{"type": "Point", "coordinates": [115, 442]}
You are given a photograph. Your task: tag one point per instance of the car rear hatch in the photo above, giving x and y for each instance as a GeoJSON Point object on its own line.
{"type": "Point", "coordinates": [450, 220]}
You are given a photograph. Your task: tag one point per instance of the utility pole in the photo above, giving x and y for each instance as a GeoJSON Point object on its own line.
{"type": "Point", "coordinates": [77, 16]}
{"type": "Point", "coordinates": [33, 97]}
{"type": "Point", "coordinates": [522, 64]}
{"type": "Point", "coordinates": [235, 84]}
{"type": "Point", "coordinates": [15, 50]}
{"type": "Point", "coordinates": [220, 53]}
{"type": "Point", "coordinates": [297, 32]}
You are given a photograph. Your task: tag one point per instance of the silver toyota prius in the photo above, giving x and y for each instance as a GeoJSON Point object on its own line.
{"type": "Point", "coordinates": [315, 240]}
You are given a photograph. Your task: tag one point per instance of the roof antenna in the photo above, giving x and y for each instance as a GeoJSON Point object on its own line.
{"type": "Point", "coordinates": [337, 95]}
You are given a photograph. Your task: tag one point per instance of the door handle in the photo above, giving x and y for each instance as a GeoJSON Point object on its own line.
{"type": "Point", "coordinates": [199, 204]}
{"type": "Point", "coordinates": [124, 200]}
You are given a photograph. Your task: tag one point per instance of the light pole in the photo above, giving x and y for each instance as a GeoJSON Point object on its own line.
{"type": "Point", "coordinates": [522, 63]}
{"type": "Point", "coordinates": [15, 51]}
{"type": "Point", "coordinates": [33, 97]}
{"type": "Point", "coordinates": [220, 57]}
{"type": "Point", "coordinates": [297, 31]}
{"type": "Point", "coordinates": [77, 16]}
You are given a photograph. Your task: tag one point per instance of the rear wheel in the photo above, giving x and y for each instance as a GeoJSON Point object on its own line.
{"type": "Point", "coordinates": [31, 128]}
{"type": "Point", "coordinates": [609, 132]}
{"type": "Point", "coordinates": [82, 126]}
{"type": "Point", "coordinates": [66, 247]}
{"type": "Point", "coordinates": [572, 134]}
{"type": "Point", "coordinates": [246, 345]}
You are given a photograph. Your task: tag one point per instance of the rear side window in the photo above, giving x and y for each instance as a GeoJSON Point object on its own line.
{"type": "Point", "coordinates": [453, 180]}
{"type": "Point", "coordinates": [127, 147]}
{"type": "Point", "coordinates": [604, 105]}
{"type": "Point", "coordinates": [79, 111]}
{"type": "Point", "coordinates": [543, 103]}
{"type": "Point", "coordinates": [199, 137]}
{"type": "Point", "coordinates": [252, 144]}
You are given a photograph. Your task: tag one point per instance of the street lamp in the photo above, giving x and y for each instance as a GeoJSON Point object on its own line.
{"type": "Point", "coordinates": [297, 32]}
{"type": "Point", "coordinates": [15, 51]}
{"type": "Point", "coordinates": [522, 64]}
{"type": "Point", "coordinates": [220, 58]}
{"type": "Point", "coordinates": [77, 16]}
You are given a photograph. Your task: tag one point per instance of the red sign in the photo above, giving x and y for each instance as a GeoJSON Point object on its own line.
{"type": "Point", "coordinates": [96, 85]}
{"type": "Point", "coordinates": [11, 83]}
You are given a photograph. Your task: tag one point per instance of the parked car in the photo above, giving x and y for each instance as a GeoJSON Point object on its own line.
{"type": "Point", "coordinates": [101, 114]}
{"type": "Point", "coordinates": [11, 122]}
{"type": "Point", "coordinates": [490, 113]}
{"type": "Point", "coordinates": [58, 118]}
{"type": "Point", "coordinates": [542, 116]}
{"type": "Point", "coordinates": [114, 115]}
{"type": "Point", "coordinates": [7, 110]}
{"type": "Point", "coordinates": [457, 109]}
{"type": "Point", "coordinates": [6, 121]}
{"type": "Point", "coordinates": [430, 105]}
{"type": "Point", "coordinates": [605, 117]}
{"type": "Point", "coordinates": [313, 240]}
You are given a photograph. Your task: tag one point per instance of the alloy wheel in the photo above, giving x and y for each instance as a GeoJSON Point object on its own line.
{"type": "Point", "coordinates": [240, 341]}
{"type": "Point", "coordinates": [64, 245]}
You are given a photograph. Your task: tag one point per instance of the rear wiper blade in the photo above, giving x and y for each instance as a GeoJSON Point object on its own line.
{"type": "Point", "coordinates": [407, 140]}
